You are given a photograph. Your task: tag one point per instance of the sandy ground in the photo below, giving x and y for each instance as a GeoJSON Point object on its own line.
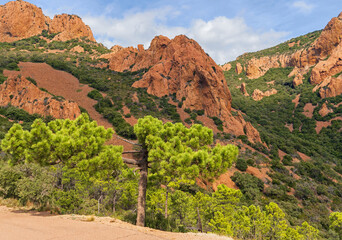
{"type": "Point", "coordinates": [21, 225]}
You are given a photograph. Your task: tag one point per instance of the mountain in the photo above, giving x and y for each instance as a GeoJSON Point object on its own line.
{"type": "Point", "coordinates": [20, 19]}
{"type": "Point", "coordinates": [181, 67]}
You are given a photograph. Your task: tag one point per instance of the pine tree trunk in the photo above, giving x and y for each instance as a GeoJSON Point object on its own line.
{"type": "Point", "coordinates": [199, 221]}
{"type": "Point", "coordinates": [142, 193]}
{"type": "Point", "coordinates": [114, 203]}
{"type": "Point", "coordinates": [166, 198]}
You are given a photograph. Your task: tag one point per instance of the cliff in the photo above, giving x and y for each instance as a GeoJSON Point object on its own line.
{"type": "Point", "coordinates": [323, 55]}
{"type": "Point", "coordinates": [20, 19]}
{"type": "Point", "coordinates": [21, 93]}
{"type": "Point", "coordinates": [181, 66]}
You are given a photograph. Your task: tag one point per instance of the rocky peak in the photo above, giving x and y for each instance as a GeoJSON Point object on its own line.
{"type": "Point", "coordinates": [69, 27]}
{"type": "Point", "coordinates": [181, 66]}
{"type": "Point", "coordinates": [324, 54]}
{"type": "Point", "coordinates": [20, 19]}
{"type": "Point", "coordinates": [21, 93]}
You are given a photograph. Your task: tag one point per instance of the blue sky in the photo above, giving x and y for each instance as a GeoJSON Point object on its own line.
{"type": "Point", "coordinates": [224, 28]}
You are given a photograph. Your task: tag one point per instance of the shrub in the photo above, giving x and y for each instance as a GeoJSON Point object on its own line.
{"type": "Point", "coordinates": [241, 164]}
{"type": "Point", "coordinates": [95, 94]}
{"type": "Point", "coordinates": [32, 80]}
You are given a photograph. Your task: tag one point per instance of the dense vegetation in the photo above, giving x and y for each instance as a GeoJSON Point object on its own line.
{"type": "Point", "coordinates": [287, 47]}
{"type": "Point", "coordinates": [43, 168]}
{"type": "Point", "coordinates": [306, 190]}
{"type": "Point", "coordinates": [65, 166]}
{"type": "Point", "coordinates": [91, 71]}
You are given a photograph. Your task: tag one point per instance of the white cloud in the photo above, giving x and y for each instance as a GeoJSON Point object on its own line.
{"type": "Point", "coordinates": [222, 38]}
{"type": "Point", "coordinates": [225, 39]}
{"type": "Point", "coordinates": [303, 7]}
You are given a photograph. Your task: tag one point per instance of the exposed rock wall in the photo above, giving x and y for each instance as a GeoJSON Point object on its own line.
{"type": "Point", "coordinates": [20, 19]}
{"type": "Point", "coordinates": [21, 93]}
{"type": "Point", "coordinates": [69, 27]}
{"type": "Point", "coordinates": [181, 66]}
{"type": "Point", "coordinates": [324, 54]}
{"type": "Point", "coordinates": [226, 67]}
{"type": "Point", "coordinates": [258, 95]}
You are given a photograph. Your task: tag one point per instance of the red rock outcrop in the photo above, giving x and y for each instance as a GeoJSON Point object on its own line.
{"type": "Point", "coordinates": [21, 93]}
{"type": "Point", "coordinates": [325, 51]}
{"type": "Point", "coordinates": [69, 27]}
{"type": "Point", "coordinates": [243, 89]}
{"type": "Point", "coordinates": [329, 67]}
{"type": "Point", "coordinates": [181, 66]}
{"type": "Point", "coordinates": [324, 110]}
{"type": "Point", "coordinates": [226, 67]}
{"type": "Point", "coordinates": [333, 89]}
{"type": "Point", "coordinates": [257, 95]}
{"type": "Point", "coordinates": [238, 68]}
{"type": "Point", "coordinates": [20, 19]}
{"type": "Point", "coordinates": [178, 66]}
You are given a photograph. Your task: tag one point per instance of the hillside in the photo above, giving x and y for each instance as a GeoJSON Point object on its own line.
{"type": "Point", "coordinates": [291, 94]}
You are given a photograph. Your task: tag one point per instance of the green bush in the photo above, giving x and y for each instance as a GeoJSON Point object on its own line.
{"type": "Point", "coordinates": [32, 80]}
{"type": "Point", "coordinates": [241, 164]}
{"type": "Point", "coordinates": [95, 94]}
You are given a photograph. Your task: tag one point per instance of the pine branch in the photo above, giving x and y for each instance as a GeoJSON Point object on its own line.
{"type": "Point", "coordinates": [126, 152]}
{"type": "Point", "coordinates": [133, 143]}
{"type": "Point", "coordinates": [131, 161]}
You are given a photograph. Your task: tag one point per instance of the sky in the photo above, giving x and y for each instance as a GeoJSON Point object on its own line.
{"type": "Point", "coordinates": [224, 28]}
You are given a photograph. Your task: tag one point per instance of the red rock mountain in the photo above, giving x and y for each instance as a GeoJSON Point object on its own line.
{"type": "Point", "coordinates": [19, 92]}
{"type": "Point", "coordinates": [181, 66]}
{"type": "Point", "coordinates": [20, 19]}
{"type": "Point", "coordinates": [324, 55]}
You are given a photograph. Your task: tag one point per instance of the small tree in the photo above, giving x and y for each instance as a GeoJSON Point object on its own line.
{"type": "Point", "coordinates": [241, 164]}
{"type": "Point", "coordinates": [336, 222]}
{"type": "Point", "coordinates": [76, 146]}
{"type": "Point", "coordinates": [176, 154]}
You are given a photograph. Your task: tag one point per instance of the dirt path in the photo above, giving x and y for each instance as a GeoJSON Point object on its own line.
{"type": "Point", "coordinates": [64, 84]}
{"type": "Point", "coordinates": [19, 225]}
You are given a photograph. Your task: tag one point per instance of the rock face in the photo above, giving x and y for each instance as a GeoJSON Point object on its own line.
{"type": "Point", "coordinates": [258, 95]}
{"type": "Point", "coordinates": [21, 93]}
{"type": "Point", "coordinates": [243, 89]}
{"type": "Point", "coordinates": [69, 27]}
{"type": "Point", "coordinates": [324, 110]}
{"type": "Point", "coordinates": [325, 52]}
{"type": "Point", "coordinates": [20, 19]}
{"type": "Point", "coordinates": [329, 67]}
{"type": "Point", "coordinates": [178, 66]}
{"type": "Point", "coordinates": [226, 67]}
{"type": "Point", "coordinates": [181, 66]}
{"type": "Point", "coordinates": [238, 68]}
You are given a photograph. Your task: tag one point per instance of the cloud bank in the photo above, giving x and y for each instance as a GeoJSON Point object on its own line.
{"type": "Point", "coordinates": [222, 38]}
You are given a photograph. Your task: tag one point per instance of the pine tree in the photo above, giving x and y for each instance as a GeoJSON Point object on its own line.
{"type": "Point", "coordinates": [174, 154]}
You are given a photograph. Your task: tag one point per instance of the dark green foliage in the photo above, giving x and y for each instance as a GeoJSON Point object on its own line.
{"type": "Point", "coordinates": [18, 114]}
{"type": "Point", "coordinates": [218, 122]}
{"type": "Point", "coordinates": [32, 80]}
{"type": "Point", "coordinates": [287, 160]}
{"type": "Point", "coordinates": [241, 164]}
{"type": "Point", "coordinates": [249, 185]}
{"type": "Point", "coordinates": [121, 127]}
{"type": "Point", "coordinates": [95, 94]}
